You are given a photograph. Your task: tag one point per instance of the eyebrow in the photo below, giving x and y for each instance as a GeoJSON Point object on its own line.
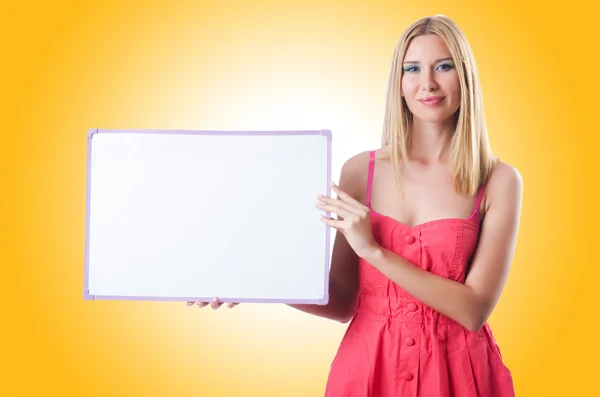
{"type": "Point", "coordinates": [439, 60]}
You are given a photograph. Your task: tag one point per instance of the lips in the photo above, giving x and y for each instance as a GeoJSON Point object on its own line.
{"type": "Point", "coordinates": [432, 100]}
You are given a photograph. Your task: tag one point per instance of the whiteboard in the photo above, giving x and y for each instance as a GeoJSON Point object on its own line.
{"type": "Point", "coordinates": [191, 215]}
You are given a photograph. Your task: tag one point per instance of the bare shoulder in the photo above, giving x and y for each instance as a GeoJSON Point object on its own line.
{"type": "Point", "coordinates": [504, 187]}
{"type": "Point", "coordinates": [355, 165]}
{"type": "Point", "coordinates": [353, 179]}
{"type": "Point", "coordinates": [505, 173]}
{"type": "Point", "coordinates": [504, 176]}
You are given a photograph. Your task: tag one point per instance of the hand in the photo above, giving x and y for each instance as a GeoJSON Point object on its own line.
{"type": "Point", "coordinates": [215, 304]}
{"type": "Point", "coordinates": [355, 224]}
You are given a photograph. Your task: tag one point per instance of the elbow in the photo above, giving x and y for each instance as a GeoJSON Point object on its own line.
{"type": "Point", "coordinates": [477, 314]}
{"type": "Point", "coordinates": [344, 305]}
{"type": "Point", "coordinates": [476, 322]}
{"type": "Point", "coordinates": [347, 311]}
{"type": "Point", "coordinates": [344, 319]}
{"type": "Point", "coordinates": [474, 327]}
{"type": "Point", "coordinates": [346, 315]}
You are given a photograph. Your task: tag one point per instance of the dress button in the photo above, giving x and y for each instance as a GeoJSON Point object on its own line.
{"type": "Point", "coordinates": [412, 306]}
{"type": "Point", "coordinates": [408, 376]}
{"type": "Point", "coordinates": [409, 341]}
{"type": "Point", "coordinates": [409, 239]}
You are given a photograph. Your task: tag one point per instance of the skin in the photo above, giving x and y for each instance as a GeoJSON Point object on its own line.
{"type": "Point", "coordinates": [429, 196]}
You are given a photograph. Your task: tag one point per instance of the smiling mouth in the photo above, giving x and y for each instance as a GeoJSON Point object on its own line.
{"type": "Point", "coordinates": [431, 101]}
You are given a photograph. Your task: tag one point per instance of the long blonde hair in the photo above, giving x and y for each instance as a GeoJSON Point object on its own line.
{"type": "Point", "coordinates": [471, 156]}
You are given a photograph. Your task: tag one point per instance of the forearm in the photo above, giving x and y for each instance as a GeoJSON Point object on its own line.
{"type": "Point", "coordinates": [448, 297]}
{"type": "Point", "coordinates": [339, 308]}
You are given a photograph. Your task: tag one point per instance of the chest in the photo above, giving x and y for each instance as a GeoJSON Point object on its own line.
{"type": "Point", "coordinates": [428, 195]}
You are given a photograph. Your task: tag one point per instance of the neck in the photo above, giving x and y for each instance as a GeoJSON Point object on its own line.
{"type": "Point", "coordinates": [431, 141]}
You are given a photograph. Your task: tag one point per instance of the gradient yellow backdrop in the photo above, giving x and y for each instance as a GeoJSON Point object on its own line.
{"type": "Point", "coordinates": [68, 67]}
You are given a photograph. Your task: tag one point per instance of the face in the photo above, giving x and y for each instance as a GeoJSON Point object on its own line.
{"type": "Point", "coordinates": [430, 73]}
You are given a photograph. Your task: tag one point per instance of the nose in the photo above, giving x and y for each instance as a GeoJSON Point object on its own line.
{"type": "Point", "coordinates": [428, 82]}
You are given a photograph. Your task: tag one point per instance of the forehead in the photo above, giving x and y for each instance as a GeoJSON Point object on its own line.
{"type": "Point", "coordinates": [426, 48]}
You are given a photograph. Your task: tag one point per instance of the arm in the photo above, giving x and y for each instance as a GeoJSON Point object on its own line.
{"type": "Point", "coordinates": [343, 285]}
{"type": "Point", "coordinates": [471, 303]}
{"type": "Point", "coordinates": [343, 277]}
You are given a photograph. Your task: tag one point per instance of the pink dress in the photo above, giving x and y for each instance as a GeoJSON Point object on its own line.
{"type": "Point", "coordinates": [395, 345]}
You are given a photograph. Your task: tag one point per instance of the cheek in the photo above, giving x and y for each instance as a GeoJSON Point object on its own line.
{"type": "Point", "coordinates": [408, 85]}
{"type": "Point", "coordinates": [452, 86]}
{"type": "Point", "coordinates": [456, 90]}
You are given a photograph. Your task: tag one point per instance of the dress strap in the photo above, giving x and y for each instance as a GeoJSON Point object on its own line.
{"type": "Point", "coordinates": [370, 177]}
{"type": "Point", "coordinates": [475, 215]}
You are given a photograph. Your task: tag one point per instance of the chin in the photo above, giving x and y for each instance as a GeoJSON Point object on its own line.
{"type": "Point", "coordinates": [434, 114]}
{"type": "Point", "coordinates": [433, 118]}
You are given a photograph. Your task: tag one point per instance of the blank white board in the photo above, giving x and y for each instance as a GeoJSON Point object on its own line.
{"type": "Point", "coordinates": [192, 215]}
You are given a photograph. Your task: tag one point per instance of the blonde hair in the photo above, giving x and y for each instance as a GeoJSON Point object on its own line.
{"type": "Point", "coordinates": [471, 157]}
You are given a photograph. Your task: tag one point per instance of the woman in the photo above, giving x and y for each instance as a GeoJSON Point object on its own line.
{"type": "Point", "coordinates": [427, 228]}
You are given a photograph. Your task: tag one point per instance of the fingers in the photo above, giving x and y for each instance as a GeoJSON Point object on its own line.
{"type": "Point", "coordinates": [346, 197]}
{"type": "Point", "coordinates": [344, 213]}
{"type": "Point", "coordinates": [337, 206]}
{"type": "Point", "coordinates": [200, 304]}
{"type": "Point", "coordinates": [343, 202]}
{"type": "Point", "coordinates": [214, 304]}
{"type": "Point", "coordinates": [338, 225]}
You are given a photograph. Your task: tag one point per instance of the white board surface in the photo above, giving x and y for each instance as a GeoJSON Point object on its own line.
{"type": "Point", "coordinates": [192, 215]}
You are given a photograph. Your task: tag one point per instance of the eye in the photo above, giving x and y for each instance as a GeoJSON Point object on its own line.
{"type": "Point", "coordinates": [445, 66]}
{"type": "Point", "coordinates": [410, 69]}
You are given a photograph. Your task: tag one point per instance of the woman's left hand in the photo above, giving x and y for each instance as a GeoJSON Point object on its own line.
{"type": "Point", "coordinates": [355, 222]}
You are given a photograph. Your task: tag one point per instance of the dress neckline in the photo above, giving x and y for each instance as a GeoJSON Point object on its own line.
{"type": "Point", "coordinates": [427, 223]}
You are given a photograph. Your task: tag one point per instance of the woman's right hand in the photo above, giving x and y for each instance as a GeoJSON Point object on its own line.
{"type": "Point", "coordinates": [215, 304]}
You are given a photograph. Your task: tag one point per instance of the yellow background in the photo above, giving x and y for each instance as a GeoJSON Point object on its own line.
{"type": "Point", "coordinates": [68, 67]}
